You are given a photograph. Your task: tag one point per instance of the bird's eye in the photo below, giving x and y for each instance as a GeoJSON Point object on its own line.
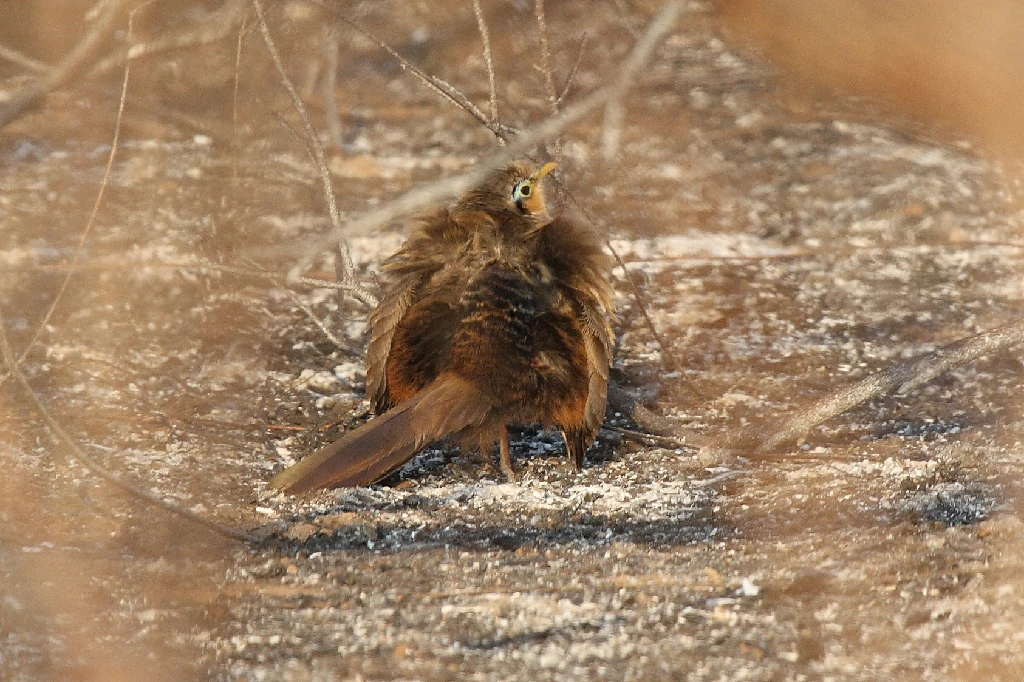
{"type": "Point", "coordinates": [521, 192]}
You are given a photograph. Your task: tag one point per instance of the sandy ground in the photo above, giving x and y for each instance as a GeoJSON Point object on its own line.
{"type": "Point", "coordinates": [786, 243]}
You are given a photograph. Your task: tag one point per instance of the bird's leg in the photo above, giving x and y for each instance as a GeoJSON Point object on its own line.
{"type": "Point", "coordinates": [506, 456]}
{"type": "Point", "coordinates": [575, 448]}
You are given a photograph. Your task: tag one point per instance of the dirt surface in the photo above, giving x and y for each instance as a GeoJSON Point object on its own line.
{"type": "Point", "coordinates": [786, 243]}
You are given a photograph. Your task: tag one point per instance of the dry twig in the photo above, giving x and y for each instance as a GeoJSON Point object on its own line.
{"type": "Point", "coordinates": [667, 358]}
{"type": "Point", "coordinates": [446, 90]}
{"type": "Point", "coordinates": [546, 71]}
{"type": "Point", "coordinates": [611, 135]}
{"type": "Point", "coordinates": [545, 56]}
{"type": "Point", "coordinates": [651, 438]}
{"type": "Point", "coordinates": [485, 35]}
{"type": "Point", "coordinates": [572, 71]}
{"type": "Point", "coordinates": [234, 103]}
{"type": "Point", "coordinates": [622, 401]}
{"type": "Point", "coordinates": [901, 377]}
{"type": "Point", "coordinates": [432, 193]}
{"type": "Point", "coordinates": [148, 104]}
{"type": "Point", "coordinates": [254, 271]}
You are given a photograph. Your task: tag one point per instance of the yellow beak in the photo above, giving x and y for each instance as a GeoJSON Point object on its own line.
{"type": "Point", "coordinates": [545, 169]}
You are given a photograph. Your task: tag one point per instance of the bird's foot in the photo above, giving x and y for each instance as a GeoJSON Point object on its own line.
{"type": "Point", "coordinates": [506, 458]}
{"type": "Point", "coordinates": [509, 472]}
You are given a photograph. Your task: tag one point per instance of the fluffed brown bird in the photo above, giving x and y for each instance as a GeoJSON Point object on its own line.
{"type": "Point", "coordinates": [495, 314]}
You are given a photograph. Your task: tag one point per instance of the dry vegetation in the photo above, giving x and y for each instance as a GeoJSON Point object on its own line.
{"type": "Point", "coordinates": [801, 200]}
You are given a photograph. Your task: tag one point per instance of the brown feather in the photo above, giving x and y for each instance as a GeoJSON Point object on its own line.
{"type": "Point", "coordinates": [372, 451]}
{"type": "Point", "coordinates": [383, 321]}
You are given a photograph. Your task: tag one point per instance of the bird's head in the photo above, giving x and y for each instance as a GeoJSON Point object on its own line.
{"type": "Point", "coordinates": [514, 190]}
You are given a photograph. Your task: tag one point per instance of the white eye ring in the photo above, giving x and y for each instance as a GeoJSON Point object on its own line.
{"type": "Point", "coordinates": [523, 190]}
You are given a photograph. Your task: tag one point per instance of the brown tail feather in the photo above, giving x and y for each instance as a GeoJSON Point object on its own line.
{"type": "Point", "coordinates": [378, 447]}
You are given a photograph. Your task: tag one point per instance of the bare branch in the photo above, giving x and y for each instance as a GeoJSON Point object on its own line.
{"type": "Point", "coordinates": [215, 28]}
{"type": "Point", "coordinates": [622, 401]}
{"type": "Point", "coordinates": [545, 56]}
{"type": "Point", "coordinates": [331, 116]}
{"type": "Point", "coordinates": [545, 68]}
{"type": "Point", "coordinates": [149, 105]}
{"type": "Point", "coordinates": [901, 377]}
{"type": "Point", "coordinates": [481, 24]}
{"type": "Point", "coordinates": [13, 363]}
{"type": "Point", "coordinates": [614, 115]}
{"type": "Point", "coordinates": [72, 64]}
{"type": "Point", "coordinates": [667, 358]}
{"type": "Point", "coordinates": [463, 102]}
{"type": "Point", "coordinates": [572, 71]}
{"type": "Point", "coordinates": [320, 161]}
{"type": "Point", "coordinates": [432, 193]}
{"type": "Point", "coordinates": [651, 438]}
{"type": "Point", "coordinates": [299, 303]}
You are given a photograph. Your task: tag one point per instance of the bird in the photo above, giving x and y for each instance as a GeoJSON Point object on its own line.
{"type": "Point", "coordinates": [494, 314]}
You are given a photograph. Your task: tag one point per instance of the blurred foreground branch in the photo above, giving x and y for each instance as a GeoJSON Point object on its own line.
{"type": "Point", "coordinates": [95, 467]}
{"type": "Point", "coordinates": [72, 64]}
{"type": "Point", "coordinates": [214, 28]}
{"type": "Point", "coordinates": [24, 61]}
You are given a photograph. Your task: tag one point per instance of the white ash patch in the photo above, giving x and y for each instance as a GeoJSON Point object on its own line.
{"type": "Point", "coordinates": [350, 373]}
{"type": "Point", "coordinates": [356, 329]}
{"type": "Point", "coordinates": [325, 382]}
{"type": "Point", "coordinates": [283, 449]}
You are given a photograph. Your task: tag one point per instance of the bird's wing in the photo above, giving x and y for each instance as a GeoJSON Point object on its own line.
{"type": "Point", "coordinates": [382, 322]}
{"type": "Point", "coordinates": [430, 246]}
{"type": "Point", "coordinates": [574, 254]}
{"type": "Point", "coordinates": [598, 340]}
